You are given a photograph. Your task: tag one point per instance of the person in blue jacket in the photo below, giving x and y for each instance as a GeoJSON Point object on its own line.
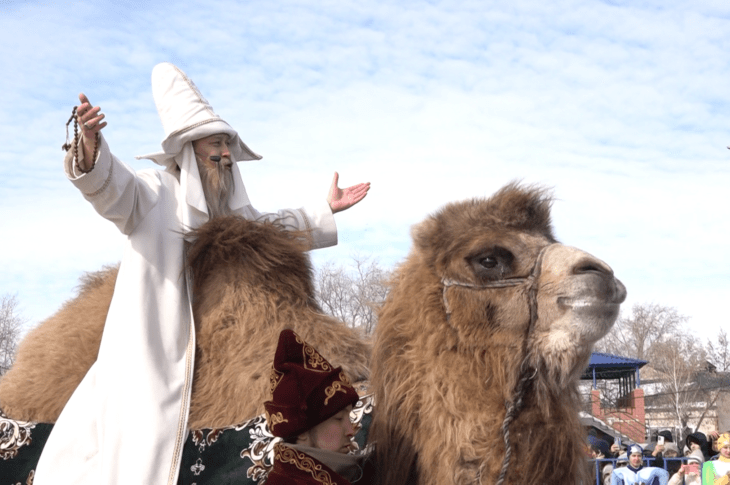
{"type": "Point", "coordinates": [636, 473]}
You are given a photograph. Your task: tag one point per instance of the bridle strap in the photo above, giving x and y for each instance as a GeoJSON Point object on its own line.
{"type": "Point", "coordinates": [505, 283]}
{"type": "Point", "coordinates": [530, 280]}
{"type": "Point", "coordinates": [514, 406]}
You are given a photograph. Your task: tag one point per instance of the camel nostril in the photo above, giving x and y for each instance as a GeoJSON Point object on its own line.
{"type": "Point", "coordinates": [591, 266]}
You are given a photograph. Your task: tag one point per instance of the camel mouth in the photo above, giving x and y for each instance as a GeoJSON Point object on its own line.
{"type": "Point", "coordinates": [590, 303]}
{"type": "Point", "coordinates": [602, 293]}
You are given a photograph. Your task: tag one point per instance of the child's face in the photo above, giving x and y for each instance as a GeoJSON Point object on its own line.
{"type": "Point", "coordinates": [725, 451]}
{"type": "Point", "coordinates": [635, 459]}
{"type": "Point", "coordinates": [334, 434]}
{"type": "Point", "coordinates": [694, 446]}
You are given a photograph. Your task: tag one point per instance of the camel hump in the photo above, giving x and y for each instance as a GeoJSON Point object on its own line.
{"type": "Point", "coordinates": [54, 357]}
{"type": "Point", "coordinates": [265, 245]}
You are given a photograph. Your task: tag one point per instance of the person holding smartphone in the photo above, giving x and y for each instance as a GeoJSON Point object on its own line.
{"type": "Point", "coordinates": [671, 451]}
{"type": "Point", "coordinates": [689, 474]}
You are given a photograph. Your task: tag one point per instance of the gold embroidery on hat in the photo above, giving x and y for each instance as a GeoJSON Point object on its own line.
{"type": "Point", "coordinates": [303, 462]}
{"type": "Point", "coordinates": [337, 386]}
{"type": "Point", "coordinates": [344, 379]}
{"type": "Point", "coordinates": [312, 359]}
{"type": "Point", "coordinates": [275, 379]}
{"type": "Point", "coordinates": [274, 419]}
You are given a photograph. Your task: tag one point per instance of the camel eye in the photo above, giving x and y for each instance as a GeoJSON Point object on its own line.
{"type": "Point", "coordinates": [491, 263]}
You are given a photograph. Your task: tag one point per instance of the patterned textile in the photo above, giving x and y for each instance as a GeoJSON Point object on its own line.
{"type": "Point", "coordinates": [21, 443]}
{"type": "Point", "coordinates": [292, 467]}
{"type": "Point", "coordinates": [241, 454]}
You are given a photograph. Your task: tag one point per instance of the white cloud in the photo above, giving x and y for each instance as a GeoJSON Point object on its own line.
{"type": "Point", "coordinates": [621, 107]}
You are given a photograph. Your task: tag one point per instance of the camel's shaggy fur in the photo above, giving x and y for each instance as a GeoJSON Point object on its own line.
{"type": "Point", "coordinates": [251, 280]}
{"type": "Point", "coordinates": [54, 357]}
{"type": "Point", "coordinates": [442, 383]}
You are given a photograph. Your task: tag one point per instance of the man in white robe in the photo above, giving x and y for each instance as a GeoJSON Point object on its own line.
{"type": "Point", "coordinates": [127, 421]}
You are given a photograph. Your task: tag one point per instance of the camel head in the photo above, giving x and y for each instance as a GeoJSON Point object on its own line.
{"type": "Point", "coordinates": [480, 344]}
{"type": "Point", "coordinates": [490, 254]}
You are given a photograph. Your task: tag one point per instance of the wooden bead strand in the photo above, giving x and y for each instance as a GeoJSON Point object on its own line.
{"type": "Point", "coordinates": [67, 146]}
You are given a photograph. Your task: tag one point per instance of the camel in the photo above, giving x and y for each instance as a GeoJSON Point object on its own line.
{"type": "Point", "coordinates": [487, 327]}
{"type": "Point", "coordinates": [251, 280]}
{"type": "Point", "coordinates": [479, 346]}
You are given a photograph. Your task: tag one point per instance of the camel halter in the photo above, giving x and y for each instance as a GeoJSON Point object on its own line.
{"type": "Point", "coordinates": [526, 373]}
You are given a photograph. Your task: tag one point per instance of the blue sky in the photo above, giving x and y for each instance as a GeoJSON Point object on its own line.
{"type": "Point", "coordinates": [621, 107]}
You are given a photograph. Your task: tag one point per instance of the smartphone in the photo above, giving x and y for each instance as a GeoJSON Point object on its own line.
{"type": "Point", "coordinates": [691, 468]}
{"type": "Point", "coordinates": [660, 440]}
{"type": "Point", "coordinates": [617, 442]}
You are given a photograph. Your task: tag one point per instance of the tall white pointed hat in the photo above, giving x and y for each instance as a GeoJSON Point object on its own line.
{"type": "Point", "coordinates": [187, 116]}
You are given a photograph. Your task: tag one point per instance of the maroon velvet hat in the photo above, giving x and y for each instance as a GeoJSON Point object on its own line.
{"type": "Point", "coordinates": [305, 389]}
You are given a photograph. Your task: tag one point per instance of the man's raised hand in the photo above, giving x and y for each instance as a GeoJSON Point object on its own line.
{"type": "Point", "coordinates": [90, 122]}
{"type": "Point", "coordinates": [342, 199]}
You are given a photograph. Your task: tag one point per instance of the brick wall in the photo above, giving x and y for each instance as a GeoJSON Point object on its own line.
{"type": "Point", "coordinates": [630, 420]}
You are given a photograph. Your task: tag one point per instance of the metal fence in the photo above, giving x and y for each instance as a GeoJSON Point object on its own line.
{"type": "Point", "coordinates": [648, 461]}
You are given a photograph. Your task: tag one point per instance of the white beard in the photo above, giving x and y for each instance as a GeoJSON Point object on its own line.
{"type": "Point", "coordinates": [217, 186]}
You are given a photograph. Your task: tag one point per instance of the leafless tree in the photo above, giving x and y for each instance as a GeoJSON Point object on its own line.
{"type": "Point", "coordinates": [658, 334]}
{"type": "Point", "coordinates": [718, 352]}
{"type": "Point", "coordinates": [353, 294]}
{"type": "Point", "coordinates": [636, 335]}
{"type": "Point", "coordinates": [10, 327]}
{"type": "Point", "coordinates": [680, 360]}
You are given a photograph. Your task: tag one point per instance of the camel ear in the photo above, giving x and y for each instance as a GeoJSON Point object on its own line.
{"type": "Point", "coordinates": [423, 233]}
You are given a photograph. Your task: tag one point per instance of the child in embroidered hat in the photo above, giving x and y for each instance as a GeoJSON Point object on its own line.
{"type": "Point", "coordinates": [717, 472]}
{"type": "Point", "coordinates": [310, 409]}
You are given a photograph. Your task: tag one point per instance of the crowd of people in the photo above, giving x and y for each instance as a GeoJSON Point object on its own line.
{"type": "Point", "coordinates": [700, 459]}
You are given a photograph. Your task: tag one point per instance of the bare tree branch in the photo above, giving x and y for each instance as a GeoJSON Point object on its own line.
{"type": "Point", "coordinates": [636, 334]}
{"type": "Point", "coordinates": [718, 352]}
{"type": "Point", "coordinates": [353, 294]}
{"type": "Point", "coordinates": [10, 327]}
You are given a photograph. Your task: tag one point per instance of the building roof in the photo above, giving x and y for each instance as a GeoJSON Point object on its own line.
{"type": "Point", "coordinates": [712, 380]}
{"type": "Point", "coordinates": [609, 366]}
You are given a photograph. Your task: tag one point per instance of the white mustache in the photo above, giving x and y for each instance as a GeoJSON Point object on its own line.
{"type": "Point", "coordinates": [221, 161]}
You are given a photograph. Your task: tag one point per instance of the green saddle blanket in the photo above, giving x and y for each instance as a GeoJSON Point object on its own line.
{"type": "Point", "coordinates": [240, 454]}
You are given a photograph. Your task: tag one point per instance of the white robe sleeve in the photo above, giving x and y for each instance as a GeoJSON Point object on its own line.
{"type": "Point", "coordinates": [318, 222]}
{"type": "Point", "coordinates": [125, 197]}
{"type": "Point", "coordinates": [116, 191]}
